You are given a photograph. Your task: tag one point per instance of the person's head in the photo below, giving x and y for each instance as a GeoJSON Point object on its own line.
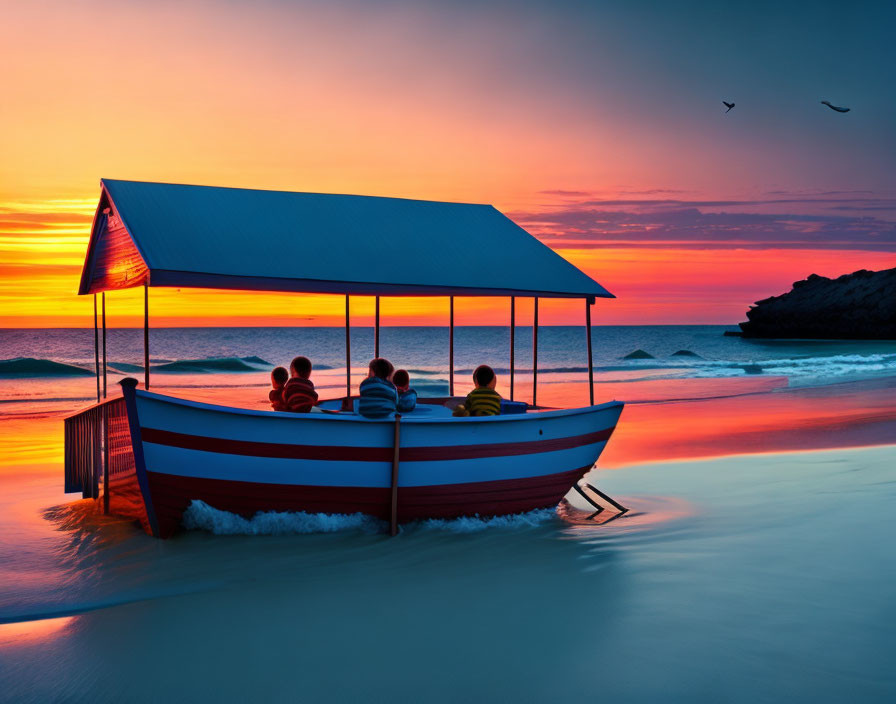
{"type": "Point", "coordinates": [484, 377]}
{"type": "Point", "coordinates": [300, 367]}
{"type": "Point", "coordinates": [380, 367]}
{"type": "Point", "coordinates": [278, 377]}
{"type": "Point", "coordinates": [401, 380]}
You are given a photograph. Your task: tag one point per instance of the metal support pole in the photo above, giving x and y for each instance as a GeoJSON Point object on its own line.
{"type": "Point", "coordinates": [584, 491]}
{"type": "Point", "coordinates": [348, 351]}
{"type": "Point", "coordinates": [376, 329]}
{"type": "Point", "coordinates": [396, 446]}
{"type": "Point", "coordinates": [104, 343]}
{"type": "Point", "coordinates": [96, 348]}
{"type": "Point", "coordinates": [146, 337]}
{"type": "Point", "coordinates": [451, 346]}
{"type": "Point", "coordinates": [535, 354]}
{"type": "Point", "coordinates": [590, 358]}
{"type": "Point", "coordinates": [512, 340]}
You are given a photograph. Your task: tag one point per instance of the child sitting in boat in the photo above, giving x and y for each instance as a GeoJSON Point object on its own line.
{"type": "Point", "coordinates": [378, 395]}
{"type": "Point", "coordinates": [299, 395]}
{"type": "Point", "coordinates": [407, 397]}
{"type": "Point", "coordinates": [483, 400]}
{"type": "Point", "coordinates": [279, 377]}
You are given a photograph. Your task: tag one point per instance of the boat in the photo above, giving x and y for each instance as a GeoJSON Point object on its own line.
{"type": "Point", "coordinates": [148, 455]}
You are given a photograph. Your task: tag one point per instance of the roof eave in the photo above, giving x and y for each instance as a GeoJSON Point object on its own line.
{"type": "Point", "coordinates": [191, 279]}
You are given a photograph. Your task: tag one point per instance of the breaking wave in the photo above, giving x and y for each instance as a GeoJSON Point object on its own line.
{"type": "Point", "coordinates": [213, 364]}
{"type": "Point", "coordinates": [200, 516]}
{"type": "Point", "coordinates": [125, 367]}
{"type": "Point", "coordinates": [803, 368]}
{"type": "Point", "coordinates": [257, 360]}
{"type": "Point", "coordinates": [31, 367]}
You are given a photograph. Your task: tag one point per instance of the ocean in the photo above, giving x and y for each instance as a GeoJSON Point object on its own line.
{"type": "Point", "coordinates": [756, 563]}
{"type": "Point", "coordinates": [56, 366]}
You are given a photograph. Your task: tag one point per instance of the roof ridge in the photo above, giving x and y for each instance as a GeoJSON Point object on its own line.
{"type": "Point", "coordinates": [303, 193]}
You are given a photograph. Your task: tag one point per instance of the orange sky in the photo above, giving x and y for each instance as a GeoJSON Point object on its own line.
{"type": "Point", "coordinates": [523, 109]}
{"type": "Point", "coordinates": [42, 261]}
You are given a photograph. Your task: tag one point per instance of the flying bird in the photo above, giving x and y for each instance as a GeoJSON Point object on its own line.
{"type": "Point", "coordinates": [728, 105]}
{"type": "Point", "coordinates": [834, 107]}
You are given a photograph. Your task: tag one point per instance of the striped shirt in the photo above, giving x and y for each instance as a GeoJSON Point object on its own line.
{"type": "Point", "coordinates": [299, 395]}
{"type": "Point", "coordinates": [483, 401]}
{"type": "Point", "coordinates": [378, 397]}
{"type": "Point", "coordinates": [407, 401]}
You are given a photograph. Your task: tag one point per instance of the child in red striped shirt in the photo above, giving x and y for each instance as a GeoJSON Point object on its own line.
{"type": "Point", "coordinates": [299, 394]}
{"type": "Point", "coordinates": [278, 380]}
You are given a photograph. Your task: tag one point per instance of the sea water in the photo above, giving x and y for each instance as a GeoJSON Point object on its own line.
{"type": "Point", "coordinates": [240, 357]}
{"type": "Point", "coordinates": [760, 577]}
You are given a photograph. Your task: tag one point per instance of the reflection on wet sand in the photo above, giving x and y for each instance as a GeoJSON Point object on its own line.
{"type": "Point", "coordinates": [645, 512]}
{"type": "Point", "coordinates": [27, 633]}
{"type": "Point", "coordinates": [84, 522]}
{"type": "Point", "coordinates": [844, 415]}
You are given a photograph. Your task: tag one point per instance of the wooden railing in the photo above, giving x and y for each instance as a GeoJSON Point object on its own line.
{"type": "Point", "coordinates": [89, 458]}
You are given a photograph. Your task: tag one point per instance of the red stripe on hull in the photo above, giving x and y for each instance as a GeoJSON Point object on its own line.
{"type": "Point", "coordinates": [172, 494]}
{"type": "Point", "coordinates": [249, 448]}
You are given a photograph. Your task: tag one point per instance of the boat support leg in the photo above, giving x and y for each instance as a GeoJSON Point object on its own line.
{"type": "Point", "coordinates": [598, 499]}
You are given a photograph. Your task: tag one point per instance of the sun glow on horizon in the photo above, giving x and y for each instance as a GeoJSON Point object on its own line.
{"type": "Point", "coordinates": [40, 271]}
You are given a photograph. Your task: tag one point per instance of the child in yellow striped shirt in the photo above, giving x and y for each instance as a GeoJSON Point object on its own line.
{"type": "Point", "coordinates": [483, 400]}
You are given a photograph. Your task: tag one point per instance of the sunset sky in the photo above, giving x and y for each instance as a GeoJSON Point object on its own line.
{"type": "Point", "coordinates": [598, 127]}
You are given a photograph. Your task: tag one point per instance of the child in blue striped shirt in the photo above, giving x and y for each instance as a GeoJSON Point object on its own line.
{"type": "Point", "coordinates": [407, 397]}
{"type": "Point", "coordinates": [379, 398]}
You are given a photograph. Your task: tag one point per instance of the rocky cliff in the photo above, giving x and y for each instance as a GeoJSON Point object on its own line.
{"type": "Point", "coordinates": [859, 306]}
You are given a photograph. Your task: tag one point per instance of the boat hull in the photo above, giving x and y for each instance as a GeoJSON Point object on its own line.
{"type": "Point", "coordinates": [249, 461]}
{"type": "Point", "coordinates": [172, 495]}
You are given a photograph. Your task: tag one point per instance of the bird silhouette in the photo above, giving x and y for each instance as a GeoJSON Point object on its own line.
{"type": "Point", "coordinates": [728, 105]}
{"type": "Point", "coordinates": [834, 107]}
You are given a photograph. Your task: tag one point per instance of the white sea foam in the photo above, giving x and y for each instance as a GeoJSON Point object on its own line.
{"type": "Point", "coordinates": [802, 369]}
{"type": "Point", "coordinates": [200, 516]}
{"type": "Point", "coordinates": [474, 524]}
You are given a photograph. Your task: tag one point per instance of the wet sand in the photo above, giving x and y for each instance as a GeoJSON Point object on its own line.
{"type": "Point", "coordinates": [742, 579]}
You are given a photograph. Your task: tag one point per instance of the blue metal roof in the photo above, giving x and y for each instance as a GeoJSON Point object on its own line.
{"type": "Point", "coordinates": [234, 238]}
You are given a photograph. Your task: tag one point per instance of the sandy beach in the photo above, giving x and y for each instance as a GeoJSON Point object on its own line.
{"type": "Point", "coordinates": [746, 578]}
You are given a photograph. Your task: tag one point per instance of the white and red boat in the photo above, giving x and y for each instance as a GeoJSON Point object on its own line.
{"type": "Point", "coordinates": [150, 455]}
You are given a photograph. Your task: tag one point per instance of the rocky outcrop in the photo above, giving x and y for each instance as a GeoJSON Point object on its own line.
{"type": "Point", "coordinates": [857, 306]}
